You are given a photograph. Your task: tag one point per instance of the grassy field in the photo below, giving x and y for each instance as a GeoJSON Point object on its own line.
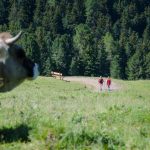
{"type": "Point", "coordinates": [54, 114]}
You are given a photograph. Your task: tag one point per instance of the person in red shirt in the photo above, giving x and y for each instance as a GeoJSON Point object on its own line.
{"type": "Point", "coordinates": [101, 81]}
{"type": "Point", "coordinates": [108, 83]}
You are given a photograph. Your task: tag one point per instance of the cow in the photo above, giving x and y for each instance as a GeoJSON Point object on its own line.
{"type": "Point", "coordinates": [15, 66]}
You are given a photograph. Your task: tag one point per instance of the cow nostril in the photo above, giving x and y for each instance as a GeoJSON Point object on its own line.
{"type": "Point", "coordinates": [35, 71]}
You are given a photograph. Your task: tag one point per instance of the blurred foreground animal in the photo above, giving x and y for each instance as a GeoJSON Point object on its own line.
{"type": "Point", "coordinates": [15, 66]}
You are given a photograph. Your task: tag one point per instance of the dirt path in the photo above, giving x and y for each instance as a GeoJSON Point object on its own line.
{"type": "Point", "coordinates": [92, 82]}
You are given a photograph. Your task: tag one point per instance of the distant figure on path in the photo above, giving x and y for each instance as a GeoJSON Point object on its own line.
{"type": "Point", "coordinates": [108, 83]}
{"type": "Point", "coordinates": [101, 81]}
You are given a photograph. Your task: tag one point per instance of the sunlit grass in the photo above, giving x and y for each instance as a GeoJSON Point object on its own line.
{"type": "Point", "coordinates": [55, 114]}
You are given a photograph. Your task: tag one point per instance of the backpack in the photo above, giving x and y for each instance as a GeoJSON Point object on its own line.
{"type": "Point", "coordinates": [101, 81]}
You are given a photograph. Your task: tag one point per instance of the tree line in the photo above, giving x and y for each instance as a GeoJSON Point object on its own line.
{"type": "Point", "coordinates": [83, 37]}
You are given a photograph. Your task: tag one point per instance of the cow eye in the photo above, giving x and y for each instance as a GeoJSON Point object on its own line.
{"type": "Point", "coordinates": [20, 54]}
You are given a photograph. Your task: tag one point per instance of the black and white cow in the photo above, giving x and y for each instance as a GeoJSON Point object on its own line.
{"type": "Point", "coordinates": [15, 66]}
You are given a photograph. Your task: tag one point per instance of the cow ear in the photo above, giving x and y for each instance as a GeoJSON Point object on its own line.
{"type": "Point", "coordinates": [13, 39]}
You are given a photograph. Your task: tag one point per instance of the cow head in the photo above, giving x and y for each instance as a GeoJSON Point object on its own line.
{"type": "Point", "coordinates": [15, 66]}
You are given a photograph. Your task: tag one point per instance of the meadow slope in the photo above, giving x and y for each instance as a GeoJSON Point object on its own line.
{"type": "Point", "coordinates": [54, 114]}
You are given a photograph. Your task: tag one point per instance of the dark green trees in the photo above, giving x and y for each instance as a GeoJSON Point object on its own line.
{"type": "Point", "coordinates": [61, 53]}
{"type": "Point", "coordinates": [83, 37]}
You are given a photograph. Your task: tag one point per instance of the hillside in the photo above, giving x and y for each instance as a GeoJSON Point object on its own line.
{"type": "Point", "coordinates": [54, 114]}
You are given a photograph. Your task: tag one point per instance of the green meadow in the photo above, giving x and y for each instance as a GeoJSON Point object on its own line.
{"type": "Point", "coordinates": [56, 115]}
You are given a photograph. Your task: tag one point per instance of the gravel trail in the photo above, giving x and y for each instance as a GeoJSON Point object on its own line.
{"type": "Point", "coordinates": [92, 82]}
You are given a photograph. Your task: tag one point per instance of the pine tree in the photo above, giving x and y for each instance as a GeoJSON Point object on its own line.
{"type": "Point", "coordinates": [61, 53]}
{"type": "Point", "coordinates": [74, 66]}
{"type": "Point", "coordinates": [42, 48]}
{"type": "Point", "coordinates": [39, 12]}
{"type": "Point", "coordinates": [21, 14]}
{"type": "Point", "coordinates": [83, 44]}
{"type": "Point", "coordinates": [4, 9]}
{"type": "Point", "coordinates": [101, 62]}
{"type": "Point", "coordinates": [147, 64]}
{"type": "Point", "coordinates": [136, 65]}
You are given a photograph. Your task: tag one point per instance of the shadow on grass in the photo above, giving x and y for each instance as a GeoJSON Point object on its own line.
{"type": "Point", "coordinates": [19, 133]}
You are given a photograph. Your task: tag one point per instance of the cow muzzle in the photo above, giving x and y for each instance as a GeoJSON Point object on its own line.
{"type": "Point", "coordinates": [35, 71]}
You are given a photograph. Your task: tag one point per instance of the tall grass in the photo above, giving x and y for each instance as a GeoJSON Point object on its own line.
{"type": "Point", "coordinates": [54, 114]}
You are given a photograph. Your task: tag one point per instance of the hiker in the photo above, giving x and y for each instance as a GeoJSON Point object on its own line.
{"type": "Point", "coordinates": [101, 81]}
{"type": "Point", "coordinates": [108, 83]}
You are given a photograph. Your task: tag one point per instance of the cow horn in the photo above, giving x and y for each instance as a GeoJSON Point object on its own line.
{"type": "Point", "coordinates": [13, 39]}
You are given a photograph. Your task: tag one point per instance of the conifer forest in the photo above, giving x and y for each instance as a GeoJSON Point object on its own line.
{"type": "Point", "coordinates": [83, 37]}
